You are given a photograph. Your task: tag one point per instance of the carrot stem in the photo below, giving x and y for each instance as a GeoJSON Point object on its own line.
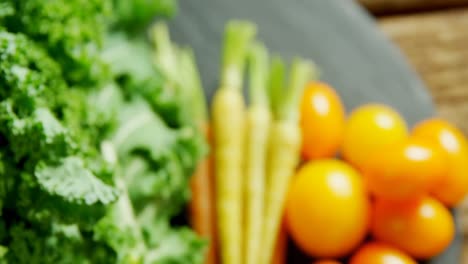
{"type": "Point", "coordinates": [301, 72]}
{"type": "Point", "coordinates": [276, 83]}
{"type": "Point", "coordinates": [258, 62]}
{"type": "Point", "coordinates": [236, 41]}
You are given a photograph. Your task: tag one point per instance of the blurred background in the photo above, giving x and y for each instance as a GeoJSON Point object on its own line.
{"type": "Point", "coordinates": [434, 37]}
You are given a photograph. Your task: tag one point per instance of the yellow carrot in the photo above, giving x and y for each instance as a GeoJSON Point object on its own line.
{"type": "Point", "coordinates": [283, 152]}
{"type": "Point", "coordinates": [258, 120]}
{"type": "Point", "coordinates": [228, 117]}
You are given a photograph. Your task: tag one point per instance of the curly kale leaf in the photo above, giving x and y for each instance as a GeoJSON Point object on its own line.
{"type": "Point", "coordinates": [47, 154]}
{"type": "Point", "coordinates": [28, 76]}
{"type": "Point", "coordinates": [6, 10]}
{"type": "Point", "coordinates": [54, 244]}
{"type": "Point", "coordinates": [157, 148]}
{"type": "Point", "coordinates": [135, 15]}
{"type": "Point", "coordinates": [72, 181]}
{"type": "Point", "coordinates": [58, 104]}
{"type": "Point", "coordinates": [168, 244]}
{"type": "Point", "coordinates": [70, 30]}
{"type": "Point", "coordinates": [157, 160]}
{"type": "Point", "coordinates": [131, 65]}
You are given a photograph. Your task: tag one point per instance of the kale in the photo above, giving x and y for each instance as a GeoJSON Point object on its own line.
{"type": "Point", "coordinates": [95, 150]}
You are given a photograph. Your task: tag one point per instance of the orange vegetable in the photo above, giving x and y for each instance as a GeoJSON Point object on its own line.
{"type": "Point", "coordinates": [379, 253]}
{"type": "Point", "coordinates": [327, 209]}
{"type": "Point", "coordinates": [406, 169]}
{"type": "Point", "coordinates": [322, 121]}
{"type": "Point", "coordinates": [370, 128]}
{"type": "Point", "coordinates": [454, 185]}
{"type": "Point", "coordinates": [202, 207]}
{"type": "Point", "coordinates": [423, 227]}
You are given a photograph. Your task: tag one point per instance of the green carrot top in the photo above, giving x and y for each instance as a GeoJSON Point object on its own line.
{"type": "Point", "coordinates": [276, 83]}
{"type": "Point", "coordinates": [285, 101]}
{"type": "Point", "coordinates": [237, 37]}
{"type": "Point", "coordinates": [258, 69]}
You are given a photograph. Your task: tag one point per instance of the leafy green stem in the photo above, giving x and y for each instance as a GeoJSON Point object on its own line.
{"type": "Point", "coordinates": [238, 35]}
{"type": "Point", "coordinates": [276, 83]}
{"type": "Point", "coordinates": [301, 72]}
{"type": "Point", "coordinates": [258, 60]}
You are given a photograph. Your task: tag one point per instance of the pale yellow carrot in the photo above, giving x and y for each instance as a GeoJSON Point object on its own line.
{"type": "Point", "coordinates": [283, 153]}
{"type": "Point", "coordinates": [258, 119]}
{"type": "Point", "coordinates": [228, 117]}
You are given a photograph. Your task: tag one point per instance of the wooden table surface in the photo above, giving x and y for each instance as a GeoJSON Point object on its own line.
{"type": "Point", "coordinates": [435, 42]}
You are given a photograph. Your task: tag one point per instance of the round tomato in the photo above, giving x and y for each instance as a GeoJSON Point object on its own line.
{"type": "Point", "coordinates": [379, 253]}
{"type": "Point", "coordinates": [369, 128]}
{"type": "Point", "coordinates": [405, 170]}
{"type": "Point", "coordinates": [322, 121]}
{"type": "Point", "coordinates": [327, 210]}
{"type": "Point", "coordinates": [454, 185]}
{"type": "Point", "coordinates": [422, 227]}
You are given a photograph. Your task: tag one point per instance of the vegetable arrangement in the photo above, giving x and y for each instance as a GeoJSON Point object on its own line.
{"type": "Point", "coordinates": [105, 138]}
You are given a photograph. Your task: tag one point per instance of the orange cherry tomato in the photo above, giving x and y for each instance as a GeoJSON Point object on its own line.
{"type": "Point", "coordinates": [322, 121]}
{"type": "Point", "coordinates": [327, 209]}
{"type": "Point", "coordinates": [422, 228]}
{"type": "Point", "coordinates": [326, 262]}
{"type": "Point", "coordinates": [454, 185]}
{"type": "Point", "coordinates": [369, 128]}
{"type": "Point", "coordinates": [406, 169]}
{"type": "Point", "coordinates": [379, 253]}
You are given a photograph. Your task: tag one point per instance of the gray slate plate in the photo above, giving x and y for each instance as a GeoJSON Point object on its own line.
{"type": "Point", "coordinates": [340, 37]}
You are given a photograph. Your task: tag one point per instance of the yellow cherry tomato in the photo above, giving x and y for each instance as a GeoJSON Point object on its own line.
{"type": "Point", "coordinates": [327, 210]}
{"type": "Point", "coordinates": [379, 253]}
{"type": "Point", "coordinates": [322, 121]}
{"type": "Point", "coordinates": [370, 128]}
{"type": "Point", "coordinates": [454, 186]}
{"type": "Point", "coordinates": [406, 169]}
{"type": "Point", "coordinates": [423, 227]}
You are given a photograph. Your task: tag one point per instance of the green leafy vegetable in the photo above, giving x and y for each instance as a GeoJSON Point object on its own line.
{"type": "Point", "coordinates": [70, 30]}
{"type": "Point", "coordinates": [137, 14]}
{"type": "Point", "coordinates": [72, 181]}
{"type": "Point", "coordinates": [95, 147]}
